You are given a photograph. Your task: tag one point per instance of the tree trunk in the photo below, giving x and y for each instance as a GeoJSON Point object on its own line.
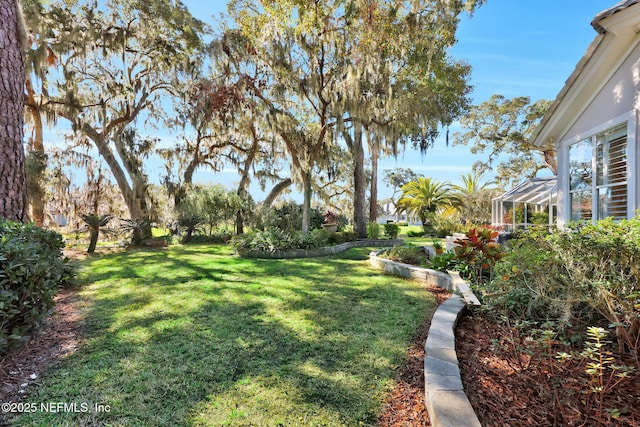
{"type": "Point", "coordinates": [359, 186]}
{"type": "Point", "coordinates": [93, 236]}
{"type": "Point", "coordinates": [373, 203]}
{"type": "Point", "coordinates": [276, 191]}
{"type": "Point", "coordinates": [38, 160]}
{"type": "Point", "coordinates": [12, 74]}
{"type": "Point", "coordinates": [306, 204]}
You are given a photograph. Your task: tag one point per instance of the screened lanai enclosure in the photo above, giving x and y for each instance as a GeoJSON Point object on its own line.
{"type": "Point", "coordinates": [533, 201]}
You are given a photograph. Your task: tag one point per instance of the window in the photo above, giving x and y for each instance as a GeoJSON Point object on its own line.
{"type": "Point", "coordinates": [605, 156]}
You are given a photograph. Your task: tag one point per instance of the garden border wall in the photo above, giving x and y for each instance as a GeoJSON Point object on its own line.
{"type": "Point", "coordinates": [323, 251]}
{"type": "Point", "coordinates": [445, 398]}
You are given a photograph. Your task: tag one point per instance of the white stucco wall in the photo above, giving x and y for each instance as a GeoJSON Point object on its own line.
{"type": "Point", "coordinates": [618, 96]}
{"type": "Point", "coordinates": [616, 102]}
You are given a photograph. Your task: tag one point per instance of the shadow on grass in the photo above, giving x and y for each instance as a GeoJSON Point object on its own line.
{"type": "Point", "coordinates": [236, 342]}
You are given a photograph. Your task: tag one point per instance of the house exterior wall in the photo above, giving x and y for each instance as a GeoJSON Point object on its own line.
{"type": "Point", "coordinates": [618, 96]}
{"type": "Point", "coordinates": [618, 101]}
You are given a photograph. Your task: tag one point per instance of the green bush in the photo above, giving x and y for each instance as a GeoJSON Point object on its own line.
{"type": "Point", "coordinates": [444, 262]}
{"type": "Point", "coordinates": [288, 217]}
{"type": "Point", "coordinates": [274, 240]}
{"type": "Point", "coordinates": [585, 274]}
{"type": "Point", "coordinates": [342, 237]}
{"type": "Point", "coordinates": [391, 230]}
{"type": "Point", "coordinates": [219, 237]}
{"type": "Point", "coordinates": [413, 233]}
{"type": "Point", "coordinates": [32, 269]}
{"type": "Point", "coordinates": [373, 230]}
{"type": "Point", "coordinates": [406, 254]}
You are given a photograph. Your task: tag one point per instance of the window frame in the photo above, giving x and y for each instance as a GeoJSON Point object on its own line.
{"type": "Point", "coordinates": [628, 122]}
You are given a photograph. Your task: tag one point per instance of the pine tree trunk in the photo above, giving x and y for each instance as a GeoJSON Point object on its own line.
{"type": "Point", "coordinates": [12, 72]}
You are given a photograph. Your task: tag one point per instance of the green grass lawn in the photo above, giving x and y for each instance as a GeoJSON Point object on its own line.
{"type": "Point", "coordinates": [192, 335]}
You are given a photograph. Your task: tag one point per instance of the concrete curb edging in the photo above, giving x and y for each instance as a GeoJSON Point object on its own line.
{"type": "Point", "coordinates": [445, 399]}
{"type": "Point", "coordinates": [324, 251]}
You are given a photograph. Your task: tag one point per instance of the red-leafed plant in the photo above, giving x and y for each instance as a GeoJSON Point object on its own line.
{"type": "Point", "coordinates": [480, 252]}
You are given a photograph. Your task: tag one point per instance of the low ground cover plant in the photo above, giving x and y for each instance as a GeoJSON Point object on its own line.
{"type": "Point", "coordinates": [407, 254]}
{"type": "Point", "coordinates": [32, 269]}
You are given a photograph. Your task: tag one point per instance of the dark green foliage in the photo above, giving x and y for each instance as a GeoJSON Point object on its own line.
{"type": "Point", "coordinates": [214, 238]}
{"type": "Point", "coordinates": [32, 269]}
{"type": "Point", "coordinates": [140, 230]}
{"type": "Point", "coordinates": [274, 240]}
{"type": "Point", "coordinates": [288, 217]}
{"type": "Point", "coordinates": [413, 233]}
{"type": "Point", "coordinates": [342, 237]}
{"type": "Point", "coordinates": [413, 255]}
{"type": "Point", "coordinates": [189, 223]}
{"type": "Point", "coordinates": [391, 230]}
{"type": "Point", "coordinates": [444, 262]}
{"type": "Point", "coordinates": [585, 274]}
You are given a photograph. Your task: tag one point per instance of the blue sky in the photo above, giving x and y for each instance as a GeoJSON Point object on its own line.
{"type": "Point", "coordinates": [515, 48]}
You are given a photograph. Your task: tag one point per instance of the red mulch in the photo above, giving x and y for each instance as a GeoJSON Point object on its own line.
{"type": "Point", "coordinates": [405, 407]}
{"type": "Point", "coordinates": [57, 338]}
{"type": "Point", "coordinates": [533, 388]}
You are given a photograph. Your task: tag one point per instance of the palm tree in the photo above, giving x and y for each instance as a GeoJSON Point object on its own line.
{"type": "Point", "coordinates": [95, 224]}
{"type": "Point", "coordinates": [475, 198]}
{"type": "Point", "coordinates": [424, 196]}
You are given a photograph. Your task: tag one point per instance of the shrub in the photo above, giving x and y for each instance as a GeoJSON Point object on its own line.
{"type": "Point", "coordinates": [480, 251]}
{"type": "Point", "coordinates": [444, 262]}
{"type": "Point", "coordinates": [219, 237]}
{"type": "Point", "coordinates": [406, 254]}
{"type": "Point", "coordinates": [584, 274]}
{"type": "Point", "coordinates": [413, 233]}
{"type": "Point", "coordinates": [288, 217]}
{"type": "Point", "coordinates": [32, 269]}
{"type": "Point", "coordinates": [373, 230]}
{"type": "Point", "coordinates": [391, 230]}
{"type": "Point", "coordinates": [446, 225]}
{"type": "Point", "coordinates": [274, 240]}
{"type": "Point", "coordinates": [342, 237]}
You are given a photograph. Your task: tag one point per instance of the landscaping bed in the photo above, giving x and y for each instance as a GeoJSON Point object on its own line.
{"type": "Point", "coordinates": [527, 388]}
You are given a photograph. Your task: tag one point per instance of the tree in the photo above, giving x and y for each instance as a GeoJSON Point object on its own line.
{"type": "Point", "coordinates": [288, 42]}
{"type": "Point", "coordinates": [424, 196]}
{"type": "Point", "coordinates": [399, 84]}
{"type": "Point", "coordinates": [396, 178]}
{"type": "Point", "coordinates": [475, 196]}
{"type": "Point", "coordinates": [94, 224]}
{"type": "Point", "coordinates": [502, 127]}
{"type": "Point", "coordinates": [12, 172]}
{"type": "Point", "coordinates": [119, 71]}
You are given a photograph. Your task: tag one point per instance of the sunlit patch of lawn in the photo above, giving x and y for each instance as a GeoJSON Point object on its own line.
{"type": "Point", "coordinates": [192, 335]}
